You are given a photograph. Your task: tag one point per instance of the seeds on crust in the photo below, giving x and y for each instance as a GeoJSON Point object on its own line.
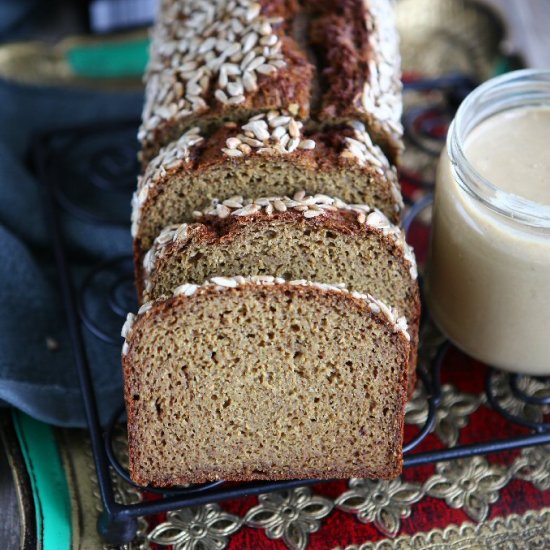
{"type": "Point", "coordinates": [312, 206]}
{"type": "Point", "coordinates": [198, 44]}
{"type": "Point", "coordinates": [273, 133]}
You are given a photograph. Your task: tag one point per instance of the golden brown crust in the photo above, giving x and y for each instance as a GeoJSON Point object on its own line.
{"type": "Point", "coordinates": [390, 471]}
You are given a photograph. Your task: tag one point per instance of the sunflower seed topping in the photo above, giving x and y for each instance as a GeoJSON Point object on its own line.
{"type": "Point", "coordinates": [128, 324]}
{"type": "Point", "coordinates": [377, 307]}
{"type": "Point", "coordinates": [273, 133]}
{"type": "Point", "coordinates": [227, 282]}
{"type": "Point", "coordinates": [198, 45]}
{"type": "Point", "coordinates": [381, 94]}
{"type": "Point", "coordinates": [145, 308]}
{"type": "Point", "coordinates": [233, 143]}
{"type": "Point", "coordinates": [312, 206]}
{"type": "Point", "coordinates": [174, 155]}
{"type": "Point", "coordinates": [233, 152]}
{"type": "Point", "coordinates": [364, 152]}
{"type": "Point", "coordinates": [186, 289]}
{"type": "Point", "coordinates": [307, 144]}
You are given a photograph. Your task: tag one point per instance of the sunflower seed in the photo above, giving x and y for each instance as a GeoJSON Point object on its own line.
{"type": "Point", "coordinates": [377, 219]}
{"type": "Point", "coordinates": [293, 145]}
{"type": "Point", "coordinates": [283, 141]}
{"type": "Point", "coordinates": [269, 40]}
{"type": "Point", "coordinates": [145, 308]}
{"type": "Point", "coordinates": [236, 100]}
{"type": "Point", "coordinates": [235, 88]}
{"type": "Point", "coordinates": [232, 203]}
{"type": "Point", "coordinates": [249, 41]}
{"type": "Point", "coordinates": [253, 11]}
{"type": "Point", "coordinates": [187, 289]}
{"type": "Point", "coordinates": [207, 45]}
{"type": "Point", "coordinates": [233, 49]}
{"type": "Point", "coordinates": [279, 205]}
{"type": "Point", "coordinates": [181, 232]}
{"type": "Point", "coordinates": [250, 141]}
{"type": "Point", "coordinates": [249, 81]}
{"type": "Point", "coordinates": [258, 128]}
{"type": "Point", "coordinates": [256, 62]}
{"type": "Point", "coordinates": [265, 28]}
{"type": "Point", "coordinates": [232, 152]}
{"type": "Point", "coordinates": [247, 59]}
{"type": "Point", "coordinates": [220, 96]}
{"type": "Point", "coordinates": [222, 78]}
{"type": "Point", "coordinates": [279, 121]}
{"type": "Point", "coordinates": [231, 69]}
{"type": "Point", "coordinates": [278, 133]}
{"type": "Point", "coordinates": [164, 238]}
{"type": "Point", "coordinates": [232, 142]}
{"type": "Point", "coordinates": [293, 129]}
{"type": "Point", "coordinates": [222, 211]}
{"type": "Point", "coordinates": [247, 210]}
{"type": "Point", "coordinates": [128, 324]}
{"type": "Point", "coordinates": [264, 68]}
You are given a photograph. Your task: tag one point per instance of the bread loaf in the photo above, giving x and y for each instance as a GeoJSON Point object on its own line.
{"type": "Point", "coordinates": [243, 379]}
{"type": "Point", "coordinates": [323, 61]}
{"type": "Point", "coordinates": [316, 237]}
{"type": "Point", "coordinates": [269, 155]}
{"type": "Point", "coordinates": [232, 372]}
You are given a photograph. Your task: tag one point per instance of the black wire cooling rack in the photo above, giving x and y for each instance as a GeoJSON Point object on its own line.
{"type": "Point", "coordinates": [107, 157]}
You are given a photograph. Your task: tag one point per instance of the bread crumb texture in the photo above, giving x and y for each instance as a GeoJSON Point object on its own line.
{"type": "Point", "coordinates": [264, 381]}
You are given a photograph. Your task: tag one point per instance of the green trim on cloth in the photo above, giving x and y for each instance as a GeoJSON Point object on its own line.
{"type": "Point", "coordinates": [108, 60]}
{"type": "Point", "coordinates": [49, 485]}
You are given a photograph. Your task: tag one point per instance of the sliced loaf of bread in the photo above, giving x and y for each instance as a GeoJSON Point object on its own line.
{"type": "Point", "coordinates": [315, 237]}
{"type": "Point", "coordinates": [258, 378]}
{"type": "Point", "coordinates": [269, 155]}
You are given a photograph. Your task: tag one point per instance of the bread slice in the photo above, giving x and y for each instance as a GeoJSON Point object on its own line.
{"type": "Point", "coordinates": [323, 61]}
{"type": "Point", "coordinates": [315, 237]}
{"type": "Point", "coordinates": [258, 378]}
{"type": "Point", "coordinates": [270, 155]}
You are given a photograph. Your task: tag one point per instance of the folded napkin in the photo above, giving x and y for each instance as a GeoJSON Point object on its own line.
{"type": "Point", "coordinates": [34, 376]}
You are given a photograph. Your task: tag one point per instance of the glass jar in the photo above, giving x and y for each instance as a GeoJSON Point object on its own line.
{"type": "Point", "coordinates": [488, 275]}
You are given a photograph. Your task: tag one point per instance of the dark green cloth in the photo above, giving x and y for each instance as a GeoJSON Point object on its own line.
{"type": "Point", "coordinates": [41, 382]}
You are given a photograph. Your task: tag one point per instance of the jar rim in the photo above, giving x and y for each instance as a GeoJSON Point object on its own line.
{"type": "Point", "coordinates": [526, 87]}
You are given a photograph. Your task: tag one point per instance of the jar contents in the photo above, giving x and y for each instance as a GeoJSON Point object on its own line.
{"type": "Point", "coordinates": [512, 151]}
{"type": "Point", "coordinates": [488, 279]}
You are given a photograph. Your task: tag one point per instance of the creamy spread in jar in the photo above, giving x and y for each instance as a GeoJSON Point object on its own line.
{"type": "Point", "coordinates": [512, 150]}
{"type": "Point", "coordinates": [488, 279]}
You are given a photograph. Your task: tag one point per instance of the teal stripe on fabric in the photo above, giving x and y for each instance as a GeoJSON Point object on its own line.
{"type": "Point", "coordinates": [108, 60]}
{"type": "Point", "coordinates": [49, 485]}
